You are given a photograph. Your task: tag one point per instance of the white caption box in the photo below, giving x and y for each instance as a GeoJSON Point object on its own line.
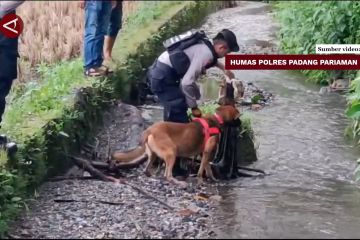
{"type": "Point", "coordinates": [337, 48]}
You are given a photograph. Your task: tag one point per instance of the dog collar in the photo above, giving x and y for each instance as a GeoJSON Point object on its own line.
{"type": "Point", "coordinates": [219, 119]}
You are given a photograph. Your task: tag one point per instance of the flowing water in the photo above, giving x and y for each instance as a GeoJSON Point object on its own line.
{"type": "Point", "coordinates": [310, 192]}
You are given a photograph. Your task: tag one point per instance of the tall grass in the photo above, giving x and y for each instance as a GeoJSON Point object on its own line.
{"type": "Point", "coordinates": [53, 32]}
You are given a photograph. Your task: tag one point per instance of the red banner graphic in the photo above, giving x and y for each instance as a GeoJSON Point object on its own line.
{"type": "Point", "coordinates": [11, 25]}
{"type": "Point", "coordinates": [293, 62]}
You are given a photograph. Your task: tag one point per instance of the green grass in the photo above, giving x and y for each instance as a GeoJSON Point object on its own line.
{"type": "Point", "coordinates": [246, 120]}
{"type": "Point", "coordinates": [307, 23]}
{"type": "Point", "coordinates": [30, 108]}
{"type": "Point", "coordinates": [150, 16]}
{"type": "Point", "coordinates": [44, 100]}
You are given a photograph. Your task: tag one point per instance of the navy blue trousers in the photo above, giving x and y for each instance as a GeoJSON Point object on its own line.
{"type": "Point", "coordinates": [166, 86]}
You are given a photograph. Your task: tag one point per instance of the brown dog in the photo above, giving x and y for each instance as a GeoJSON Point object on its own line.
{"type": "Point", "coordinates": [168, 140]}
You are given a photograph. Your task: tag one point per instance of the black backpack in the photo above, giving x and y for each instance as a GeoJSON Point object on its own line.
{"type": "Point", "coordinates": [177, 44]}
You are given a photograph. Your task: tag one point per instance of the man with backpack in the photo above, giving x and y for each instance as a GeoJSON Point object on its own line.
{"type": "Point", "coordinates": [173, 75]}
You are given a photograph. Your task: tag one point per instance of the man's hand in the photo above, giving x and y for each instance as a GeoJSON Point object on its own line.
{"type": "Point", "coordinates": [82, 4]}
{"type": "Point", "coordinates": [229, 73]}
{"type": "Point", "coordinates": [196, 112]}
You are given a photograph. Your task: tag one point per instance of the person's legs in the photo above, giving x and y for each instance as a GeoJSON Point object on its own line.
{"type": "Point", "coordinates": [113, 30]}
{"type": "Point", "coordinates": [8, 73]}
{"type": "Point", "coordinates": [5, 86]}
{"type": "Point", "coordinates": [104, 21]}
{"type": "Point", "coordinates": [97, 14]}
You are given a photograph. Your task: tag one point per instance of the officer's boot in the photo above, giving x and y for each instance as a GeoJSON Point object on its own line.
{"type": "Point", "coordinates": [10, 147]}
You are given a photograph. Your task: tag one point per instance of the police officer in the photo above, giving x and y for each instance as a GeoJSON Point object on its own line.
{"type": "Point", "coordinates": [8, 64]}
{"type": "Point", "coordinates": [173, 75]}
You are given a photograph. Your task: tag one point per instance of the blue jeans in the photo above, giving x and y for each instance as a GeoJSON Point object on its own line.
{"type": "Point", "coordinates": [97, 17]}
{"type": "Point", "coordinates": [165, 84]}
{"type": "Point", "coordinates": [115, 20]}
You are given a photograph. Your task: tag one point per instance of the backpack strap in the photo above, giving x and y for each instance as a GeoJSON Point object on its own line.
{"type": "Point", "coordinates": [207, 131]}
{"type": "Point", "coordinates": [212, 49]}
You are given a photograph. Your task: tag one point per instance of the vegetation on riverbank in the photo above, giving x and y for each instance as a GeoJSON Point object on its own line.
{"type": "Point", "coordinates": [51, 116]}
{"type": "Point", "coordinates": [307, 23]}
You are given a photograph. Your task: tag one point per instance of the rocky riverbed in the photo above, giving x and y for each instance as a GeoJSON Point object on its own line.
{"type": "Point", "coordinates": [142, 208]}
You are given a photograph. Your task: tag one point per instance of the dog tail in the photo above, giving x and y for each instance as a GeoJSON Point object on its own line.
{"type": "Point", "coordinates": [131, 158]}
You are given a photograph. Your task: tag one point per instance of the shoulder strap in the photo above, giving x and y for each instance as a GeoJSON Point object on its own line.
{"type": "Point", "coordinates": [212, 49]}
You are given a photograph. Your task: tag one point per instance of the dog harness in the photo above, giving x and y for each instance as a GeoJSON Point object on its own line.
{"type": "Point", "coordinates": [207, 130]}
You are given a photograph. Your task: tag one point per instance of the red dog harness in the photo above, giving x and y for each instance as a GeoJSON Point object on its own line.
{"type": "Point", "coordinates": [209, 131]}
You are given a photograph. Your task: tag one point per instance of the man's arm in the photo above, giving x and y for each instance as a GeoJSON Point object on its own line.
{"type": "Point", "coordinates": [8, 6]}
{"type": "Point", "coordinates": [229, 73]}
{"type": "Point", "coordinates": [189, 87]}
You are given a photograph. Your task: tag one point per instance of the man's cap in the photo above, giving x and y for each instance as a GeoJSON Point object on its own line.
{"type": "Point", "coordinates": [230, 38]}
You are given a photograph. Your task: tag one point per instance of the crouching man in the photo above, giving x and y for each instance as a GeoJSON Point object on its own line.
{"type": "Point", "coordinates": [173, 75]}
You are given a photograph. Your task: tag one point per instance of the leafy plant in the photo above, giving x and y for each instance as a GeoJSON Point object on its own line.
{"type": "Point", "coordinates": [255, 99]}
{"type": "Point", "coordinates": [307, 23]}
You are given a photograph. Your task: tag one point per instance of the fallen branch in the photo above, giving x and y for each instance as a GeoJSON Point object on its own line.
{"type": "Point", "coordinates": [100, 164]}
{"type": "Point", "coordinates": [87, 201]}
{"type": "Point", "coordinates": [85, 164]}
